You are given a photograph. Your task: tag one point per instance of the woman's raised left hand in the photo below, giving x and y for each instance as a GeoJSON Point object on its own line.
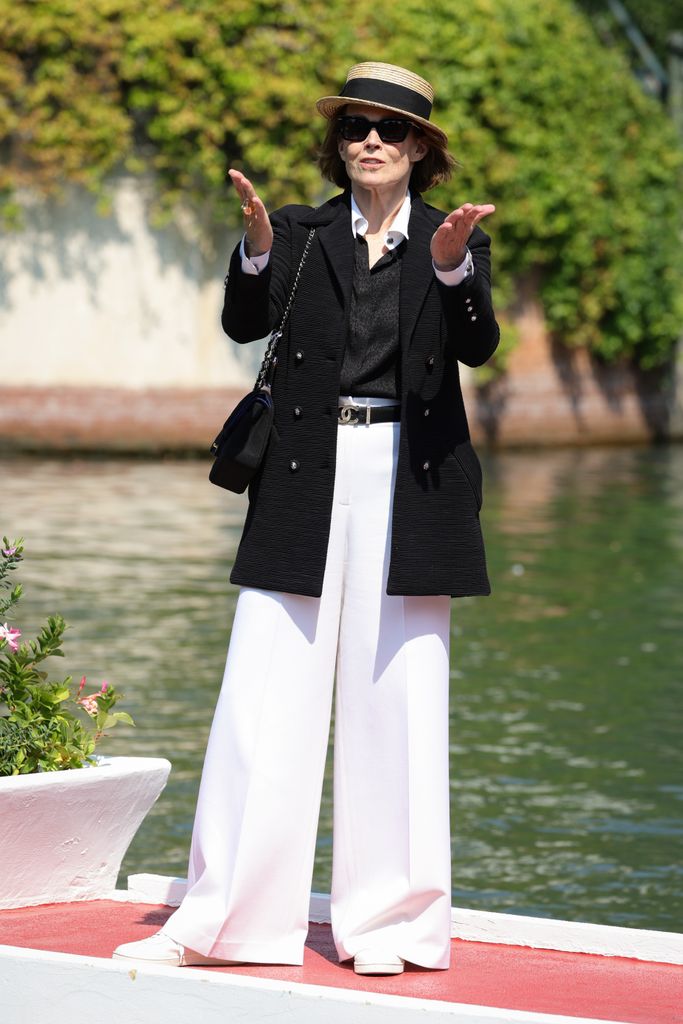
{"type": "Point", "coordinates": [450, 238]}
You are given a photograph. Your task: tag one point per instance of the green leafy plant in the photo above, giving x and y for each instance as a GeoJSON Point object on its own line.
{"type": "Point", "coordinates": [45, 725]}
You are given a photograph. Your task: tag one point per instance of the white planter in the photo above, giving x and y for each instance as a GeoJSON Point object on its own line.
{"type": "Point", "coordinates": [63, 834]}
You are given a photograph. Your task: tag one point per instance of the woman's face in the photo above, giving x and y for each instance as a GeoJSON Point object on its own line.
{"type": "Point", "coordinates": [374, 164]}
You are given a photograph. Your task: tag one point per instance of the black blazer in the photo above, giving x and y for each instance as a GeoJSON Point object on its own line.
{"type": "Point", "coordinates": [436, 542]}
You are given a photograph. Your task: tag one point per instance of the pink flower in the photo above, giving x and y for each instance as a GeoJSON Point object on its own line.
{"type": "Point", "coordinates": [89, 703]}
{"type": "Point", "coordinates": [10, 636]}
{"type": "Point", "coordinates": [8, 552]}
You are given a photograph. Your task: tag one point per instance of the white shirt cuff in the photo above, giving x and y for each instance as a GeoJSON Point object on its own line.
{"type": "Point", "coordinates": [253, 264]}
{"type": "Point", "coordinates": [457, 276]}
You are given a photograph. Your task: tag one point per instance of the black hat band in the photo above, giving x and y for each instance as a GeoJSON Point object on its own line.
{"type": "Point", "coordinates": [387, 94]}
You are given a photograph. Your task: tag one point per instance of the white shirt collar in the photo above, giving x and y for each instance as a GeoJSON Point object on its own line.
{"type": "Point", "coordinates": [398, 229]}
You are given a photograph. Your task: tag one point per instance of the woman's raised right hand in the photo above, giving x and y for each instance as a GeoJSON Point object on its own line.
{"type": "Point", "coordinates": [257, 230]}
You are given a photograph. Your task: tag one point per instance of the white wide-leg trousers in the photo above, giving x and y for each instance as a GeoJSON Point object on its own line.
{"type": "Point", "coordinates": [253, 842]}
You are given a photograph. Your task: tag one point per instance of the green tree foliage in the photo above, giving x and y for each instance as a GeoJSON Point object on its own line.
{"type": "Point", "coordinates": [656, 19]}
{"type": "Point", "coordinates": [584, 169]}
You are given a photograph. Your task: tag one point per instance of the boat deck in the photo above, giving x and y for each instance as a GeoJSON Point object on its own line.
{"type": "Point", "coordinates": [482, 974]}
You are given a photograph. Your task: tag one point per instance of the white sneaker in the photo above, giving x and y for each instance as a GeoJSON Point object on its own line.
{"type": "Point", "coordinates": [162, 949]}
{"type": "Point", "coordinates": [377, 961]}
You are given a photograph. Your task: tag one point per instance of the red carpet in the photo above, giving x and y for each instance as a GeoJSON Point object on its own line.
{"type": "Point", "coordinates": [516, 977]}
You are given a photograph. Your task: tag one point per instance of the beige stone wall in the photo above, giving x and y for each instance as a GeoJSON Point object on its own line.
{"type": "Point", "coordinates": [93, 301]}
{"type": "Point", "coordinates": [551, 394]}
{"type": "Point", "coordinates": [110, 340]}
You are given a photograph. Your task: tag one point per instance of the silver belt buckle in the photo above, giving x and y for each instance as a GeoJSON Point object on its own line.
{"type": "Point", "coordinates": [349, 413]}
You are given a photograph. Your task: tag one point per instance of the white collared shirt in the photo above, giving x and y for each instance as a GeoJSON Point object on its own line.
{"type": "Point", "coordinates": [393, 238]}
{"type": "Point", "coordinates": [397, 231]}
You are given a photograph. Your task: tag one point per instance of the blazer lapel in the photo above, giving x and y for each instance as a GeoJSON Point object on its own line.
{"type": "Point", "coordinates": [333, 229]}
{"type": "Point", "coordinates": [417, 273]}
{"type": "Point", "coordinates": [332, 221]}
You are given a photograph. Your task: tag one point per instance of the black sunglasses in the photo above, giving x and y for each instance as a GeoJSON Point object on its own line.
{"type": "Point", "coordinates": [389, 129]}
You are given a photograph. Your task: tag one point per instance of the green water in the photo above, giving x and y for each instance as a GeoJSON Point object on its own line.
{"type": "Point", "coordinates": [567, 761]}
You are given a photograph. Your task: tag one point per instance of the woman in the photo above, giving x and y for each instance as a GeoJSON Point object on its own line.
{"type": "Point", "coordinates": [362, 523]}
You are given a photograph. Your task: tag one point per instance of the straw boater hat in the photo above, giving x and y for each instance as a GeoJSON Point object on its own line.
{"type": "Point", "coordinates": [385, 85]}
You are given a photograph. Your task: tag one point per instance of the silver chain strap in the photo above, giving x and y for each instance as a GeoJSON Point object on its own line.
{"type": "Point", "coordinates": [269, 359]}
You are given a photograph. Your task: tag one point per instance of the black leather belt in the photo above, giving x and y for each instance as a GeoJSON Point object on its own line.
{"type": "Point", "coordinates": [366, 414]}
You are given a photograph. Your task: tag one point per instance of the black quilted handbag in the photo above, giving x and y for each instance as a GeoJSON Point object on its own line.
{"type": "Point", "coordinates": [241, 445]}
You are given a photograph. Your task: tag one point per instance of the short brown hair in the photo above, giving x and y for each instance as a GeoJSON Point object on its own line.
{"type": "Point", "coordinates": [436, 166]}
